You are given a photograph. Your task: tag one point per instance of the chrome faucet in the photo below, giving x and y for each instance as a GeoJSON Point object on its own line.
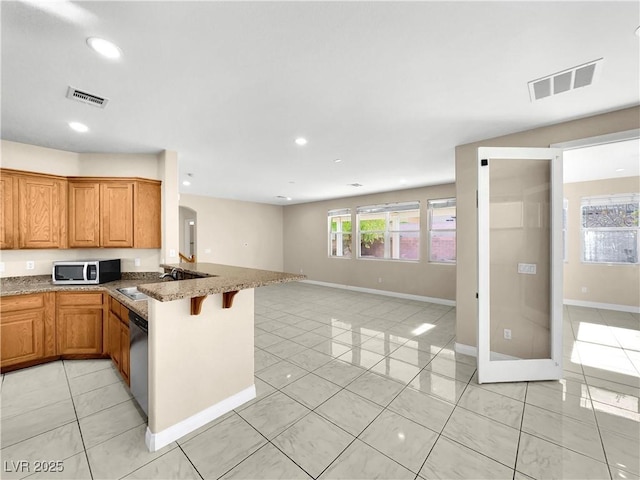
{"type": "Point", "coordinates": [173, 275]}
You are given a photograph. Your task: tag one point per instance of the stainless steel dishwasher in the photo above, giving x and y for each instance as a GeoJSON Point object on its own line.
{"type": "Point", "coordinates": [139, 360]}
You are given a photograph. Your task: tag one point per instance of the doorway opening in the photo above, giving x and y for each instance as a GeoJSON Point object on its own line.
{"type": "Point", "coordinates": [188, 220]}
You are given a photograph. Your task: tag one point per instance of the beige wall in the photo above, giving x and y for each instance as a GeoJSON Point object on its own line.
{"type": "Point", "coordinates": [21, 156]}
{"type": "Point", "coordinates": [466, 185]}
{"type": "Point", "coordinates": [197, 361]}
{"type": "Point", "coordinates": [32, 158]}
{"type": "Point", "coordinates": [612, 284]}
{"type": "Point", "coordinates": [306, 248]}
{"type": "Point", "coordinates": [233, 232]}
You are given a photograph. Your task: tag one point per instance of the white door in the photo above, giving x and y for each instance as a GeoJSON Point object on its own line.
{"type": "Point", "coordinates": [519, 264]}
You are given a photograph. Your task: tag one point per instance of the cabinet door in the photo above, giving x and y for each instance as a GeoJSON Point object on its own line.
{"type": "Point", "coordinates": [115, 340]}
{"type": "Point", "coordinates": [40, 210]}
{"type": "Point", "coordinates": [124, 346]}
{"type": "Point", "coordinates": [22, 336]}
{"type": "Point", "coordinates": [147, 214]}
{"type": "Point", "coordinates": [79, 330]}
{"type": "Point", "coordinates": [116, 214]}
{"type": "Point", "coordinates": [7, 229]}
{"type": "Point", "coordinates": [84, 214]}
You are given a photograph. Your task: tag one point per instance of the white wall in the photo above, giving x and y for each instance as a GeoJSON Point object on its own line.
{"type": "Point", "coordinates": [232, 232]}
{"type": "Point", "coordinates": [32, 158]}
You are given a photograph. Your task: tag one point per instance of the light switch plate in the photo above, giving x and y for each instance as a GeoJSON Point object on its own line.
{"type": "Point", "coordinates": [31, 265]}
{"type": "Point", "coordinates": [172, 253]}
{"type": "Point", "coordinates": [136, 262]}
{"type": "Point", "coordinates": [527, 268]}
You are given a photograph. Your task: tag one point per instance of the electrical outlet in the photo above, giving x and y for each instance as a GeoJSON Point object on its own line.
{"type": "Point", "coordinates": [207, 250]}
{"type": "Point", "coordinates": [31, 265]}
{"type": "Point", "coordinates": [507, 334]}
{"type": "Point", "coordinates": [527, 268]}
{"type": "Point", "coordinates": [301, 270]}
{"type": "Point", "coordinates": [172, 253]}
{"type": "Point", "coordinates": [136, 262]}
{"type": "Point", "coordinates": [379, 279]}
{"type": "Point", "coordinates": [584, 289]}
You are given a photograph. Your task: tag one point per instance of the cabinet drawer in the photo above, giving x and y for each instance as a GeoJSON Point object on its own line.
{"type": "Point", "coordinates": [75, 299]}
{"type": "Point", "coordinates": [16, 303]}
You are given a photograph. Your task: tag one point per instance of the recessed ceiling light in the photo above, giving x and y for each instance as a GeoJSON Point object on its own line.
{"type": "Point", "coordinates": [78, 127]}
{"type": "Point", "coordinates": [186, 183]}
{"type": "Point", "coordinates": [619, 169]}
{"type": "Point", "coordinates": [104, 47]}
{"type": "Point", "coordinates": [301, 141]}
{"type": "Point", "coordinates": [337, 160]}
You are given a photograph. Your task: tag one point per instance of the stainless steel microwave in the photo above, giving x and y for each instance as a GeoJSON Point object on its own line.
{"type": "Point", "coordinates": [78, 272]}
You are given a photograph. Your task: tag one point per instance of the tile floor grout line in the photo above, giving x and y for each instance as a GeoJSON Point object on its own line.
{"type": "Point", "coordinates": [595, 417]}
{"type": "Point", "coordinates": [524, 405]}
{"type": "Point", "coordinates": [443, 427]}
{"type": "Point", "coordinates": [189, 459]}
{"type": "Point", "coordinates": [269, 442]}
{"type": "Point", "coordinates": [84, 447]}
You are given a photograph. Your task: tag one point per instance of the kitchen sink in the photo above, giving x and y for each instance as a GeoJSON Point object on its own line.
{"type": "Point", "coordinates": [133, 293]}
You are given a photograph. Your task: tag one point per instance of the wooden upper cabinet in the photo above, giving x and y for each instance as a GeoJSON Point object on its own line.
{"type": "Point", "coordinates": [47, 211]}
{"type": "Point", "coordinates": [147, 215]}
{"type": "Point", "coordinates": [116, 212]}
{"type": "Point", "coordinates": [84, 214]}
{"type": "Point", "coordinates": [8, 232]}
{"type": "Point", "coordinates": [42, 207]}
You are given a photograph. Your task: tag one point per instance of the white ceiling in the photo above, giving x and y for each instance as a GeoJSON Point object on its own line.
{"type": "Point", "coordinates": [390, 88]}
{"type": "Point", "coordinates": [610, 160]}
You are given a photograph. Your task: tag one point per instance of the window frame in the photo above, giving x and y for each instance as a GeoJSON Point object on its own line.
{"type": "Point", "coordinates": [386, 210]}
{"type": "Point", "coordinates": [604, 200]}
{"type": "Point", "coordinates": [430, 209]}
{"type": "Point", "coordinates": [340, 213]}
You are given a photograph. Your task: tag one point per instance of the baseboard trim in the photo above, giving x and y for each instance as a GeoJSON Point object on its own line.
{"type": "Point", "coordinates": [406, 296]}
{"type": "Point", "coordinates": [473, 352]}
{"type": "Point", "coordinates": [603, 306]}
{"type": "Point", "coordinates": [155, 441]}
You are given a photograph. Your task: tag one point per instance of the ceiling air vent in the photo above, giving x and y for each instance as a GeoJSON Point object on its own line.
{"type": "Point", "coordinates": [355, 185]}
{"type": "Point", "coordinates": [85, 97]}
{"type": "Point", "coordinates": [570, 79]}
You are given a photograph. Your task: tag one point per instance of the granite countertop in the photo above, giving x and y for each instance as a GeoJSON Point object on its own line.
{"type": "Point", "coordinates": [42, 283]}
{"type": "Point", "coordinates": [215, 278]}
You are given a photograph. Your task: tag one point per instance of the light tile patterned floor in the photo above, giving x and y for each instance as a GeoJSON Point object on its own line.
{"type": "Point", "coordinates": [352, 386]}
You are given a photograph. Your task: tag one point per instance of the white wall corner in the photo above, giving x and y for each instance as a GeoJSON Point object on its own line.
{"type": "Point", "coordinates": [168, 172]}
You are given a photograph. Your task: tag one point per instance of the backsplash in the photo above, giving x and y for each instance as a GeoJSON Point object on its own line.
{"type": "Point", "coordinates": [13, 263]}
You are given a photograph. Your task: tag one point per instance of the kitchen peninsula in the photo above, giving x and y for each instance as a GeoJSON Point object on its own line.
{"type": "Point", "coordinates": [201, 358]}
{"type": "Point", "coordinates": [201, 334]}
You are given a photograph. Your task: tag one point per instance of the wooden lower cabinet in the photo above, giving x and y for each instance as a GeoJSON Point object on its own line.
{"type": "Point", "coordinates": [42, 327]}
{"type": "Point", "coordinates": [119, 337]}
{"type": "Point", "coordinates": [115, 340]}
{"type": "Point", "coordinates": [79, 323]}
{"type": "Point", "coordinates": [27, 329]}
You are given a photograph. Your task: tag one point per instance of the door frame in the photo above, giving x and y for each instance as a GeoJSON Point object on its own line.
{"type": "Point", "coordinates": [515, 370]}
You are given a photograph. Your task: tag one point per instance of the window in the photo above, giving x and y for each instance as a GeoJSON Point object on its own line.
{"type": "Point", "coordinates": [610, 228]}
{"type": "Point", "coordinates": [390, 232]}
{"type": "Point", "coordinates": [442, 230]}
{"type": "Point", "coordinates": [340, 233]}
